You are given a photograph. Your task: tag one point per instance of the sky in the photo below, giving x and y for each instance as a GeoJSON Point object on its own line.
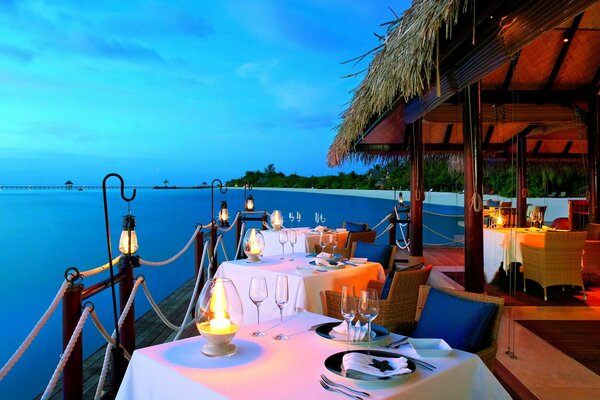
{"type": "Point", "coordinates": [181, 90]}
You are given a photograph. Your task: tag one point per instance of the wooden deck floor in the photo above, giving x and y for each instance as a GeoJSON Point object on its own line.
{"type": "Point", "coordinates": [151, 330]}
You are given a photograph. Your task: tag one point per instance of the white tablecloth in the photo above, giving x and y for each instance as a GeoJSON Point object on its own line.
{"type": "Point", "coordinates": [263, 368]}
{"type": "Point", "coordinates": [304, 289]}
{"type": "Point", "coordinates": [503, 245]}
{"type": "Point", "coordinates": [273, 247]}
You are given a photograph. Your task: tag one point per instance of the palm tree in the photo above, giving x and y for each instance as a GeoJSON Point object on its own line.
{"type": "Point", "coordinates": [166, 182]}
{"type": "Point", "coordinates": [270, 170]}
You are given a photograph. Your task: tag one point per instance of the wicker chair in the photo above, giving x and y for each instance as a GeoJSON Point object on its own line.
{"type": "Point", "coordinates": [487, 355]}
{"type": "Point", "coordinates": [390, 261]}
{"type": "Point", "coordinates": [591, 250]}
{"type": "Point", "coordinates": [557, 263]}
{"type": "Point", "coordinates": [400, 305]}
{"type": "Point", "coordinates": [367, 236]}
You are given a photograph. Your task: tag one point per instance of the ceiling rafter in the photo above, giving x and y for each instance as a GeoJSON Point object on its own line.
{"type": "Point", "coordinates": [488, 136]}
{"type": "Point", "coordinates": [448, 133]}
{"type": "Point", "coordinates": [569, 35]}
{"type": "Point", "coordinates": [511, 71]}
{"type": "Point", "coordinates": [537, 147]}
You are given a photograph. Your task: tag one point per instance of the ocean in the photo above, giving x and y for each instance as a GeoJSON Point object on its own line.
{"type": "Point", "coordinates": [46, 231]}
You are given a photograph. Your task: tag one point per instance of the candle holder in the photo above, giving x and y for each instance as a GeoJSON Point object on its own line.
{"type": "Point", "coordinates": [254, 244]}
{"type": "Point", "coordinates": [276, 220]}
{"type": "Point", "coordinates": [219, 314]}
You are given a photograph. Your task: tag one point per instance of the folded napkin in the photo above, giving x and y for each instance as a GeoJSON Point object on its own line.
{"type": "Point", "coordinates": [357, 332]}
{"type": "Point", "coordinates": [320, 228]}
{"type": "Point", "coordinates": [374, 366]}
{"type": "Point", "coordinates": [322, 255]}
{"type": "Point", "coordinates": [358, 260]}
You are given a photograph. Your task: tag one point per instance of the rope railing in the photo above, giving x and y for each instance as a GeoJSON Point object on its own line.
{"type": "Point", "coordinates": [384, 231]}
{"type": "Point", "coordinates": [443, 215]}
{"type": "Point", "coordinates": [34, 332]}
{"type": "Point", "coordinates": [239, 244]}
{"type": "Point", "coordinates": [232, 225]}
{"type": "Point", "coordinates": [104, 332]}
{"type": "Point", "coordinates": [94, 271]}
{"type": "Point", "coordinates": [452, 240]}
{"type": "Point", "coordinates": [387, 217]}
{"type": "Point", "coordinates": [224, 249]}
{"type": "Point", "coordinates": [67, 353]}
{"type": "Point", "coordinates": [176, 256]}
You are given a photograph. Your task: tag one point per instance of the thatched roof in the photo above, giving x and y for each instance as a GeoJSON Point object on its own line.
{"type": "Point", "coordinates": [530, 86]}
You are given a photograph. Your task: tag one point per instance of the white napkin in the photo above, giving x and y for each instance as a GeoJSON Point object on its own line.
{"type": "Point", "coordinates": [358, 260]}
{"type": "Point", "coordinates": [321, 256]}
{"type": "Point", "coordinates": [363, 363]}
{"type": "Point", "coordinates": [357, 332]}
{"type": "Point", "coordinates": [320, 228]}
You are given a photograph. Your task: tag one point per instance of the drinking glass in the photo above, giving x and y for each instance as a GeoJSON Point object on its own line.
{"type": "Point", "coordinates": [293, 238]}
{"type": "Point", "coordinates": [368, 307]}
{"type": "Point", "coordinates": [323, 243]}
{"type": "Point", "coordinates": [333, 241]}
{"type": "Point", "coordinates": [322, 218]}
{"type": "Point", "coordinates": [283, 238]}
{"type": "Point", "coordinates": [258, 293]}
{"type": "Point", "coordinates": [281, 299]}
{"type": "Point", "coordinates": [298, 217]}
{"type": "Point", "coordinates": [317, 219]}
{"type": "Point", "coordinates": [348, 309]}
{"type": "Point", "coordinates": [291, 217]}
{"type": "Point", "coordinates": [532, 218]}
{"type": "Point", "coordinates": [540, 218]}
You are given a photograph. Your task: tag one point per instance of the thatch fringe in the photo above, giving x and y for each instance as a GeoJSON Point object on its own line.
{"type": "Point", "coordinates": [402, 67]}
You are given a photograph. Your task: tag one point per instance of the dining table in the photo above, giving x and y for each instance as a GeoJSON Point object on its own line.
{"type": "Point", "coordinates": [502, 246]}
{"type": "Point", "coordinates": [263, 368]}
{"type": "Point", "coordinates": [305, 281]}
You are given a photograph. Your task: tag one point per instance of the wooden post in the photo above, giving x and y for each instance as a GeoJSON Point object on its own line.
{"type": "Point", "coordinates": [472, 130]}
{"type": "Point", "coordinates": [213, 249]}
{"type": "Point", "coordinates": [392, 231]}
{"type": "Point", "coordinates": [522, 193]}
{"type": "Point", "coordinates": [593, 167]}
{"type": "Point", "coordinates": [416, 193]}
{"type": "Point", "coordinates": [199, 249]}
{"type": "Point", "coordinates": [128, 327]}
{"type": "Point", "coordinates": [265, 226]}
{"type": "Point", "coordinates": [238, 234]}
{"type": "Point", "coordinates": [73, 371]}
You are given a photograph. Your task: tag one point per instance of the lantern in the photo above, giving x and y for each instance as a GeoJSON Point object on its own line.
{"type": "Point", "coordinates": [128, 242]}
{"type": "Point", "coordinates": [224, 214]}
{"type": "Point", "coordinates": [219, 314]}
{"type": "Point", "coordinates": [254, 244]}
{"type": "Point", "coordinates": [276, 220]}
{"type": "Point", "coordinates": [400, 200]}
{"type": "Point", "coordinates": [249, 205]}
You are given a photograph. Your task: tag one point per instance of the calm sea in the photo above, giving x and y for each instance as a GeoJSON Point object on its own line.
{"type": "Point", "coordinates": [46, 231]}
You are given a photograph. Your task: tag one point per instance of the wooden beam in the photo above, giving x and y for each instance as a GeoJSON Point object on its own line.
{"type": "Point", "coordinates": [521, 181]}
{"type": "Point", "coordinates": [509, 142]}
{"type": "Point", "coordinates": [511, 71]}
{"type": "Point", "coordinates": [569, 35]}
{"type": "Point", "coordinates": [536, 149]}
{"type": "Point", "coordinates": [416, 192]}
{"type": "Point", "coordinates": [488, 137]}
{"type": "Point", "coordinates": [567, 147]}
{"type": "Point", "coordinates": [448, 134]}
{"type": "Point", "coordinates": [593, 164]}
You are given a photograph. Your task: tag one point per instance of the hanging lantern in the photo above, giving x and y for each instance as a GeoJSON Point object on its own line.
{"type": "Point", "coordinates": [128, 243]}
{"type": "Point", "coordinates": [254, 244]}
{"type": "Point", "coordinates": [224, 214]}
{"type": "Point", "coordinates": [219, 314]}
{"type": "Point", "coordinates": [276, 220]}
{"type": "Point", "coordinates": [249, 206]}
{"type": "Point", "coordinates": [400, 200]}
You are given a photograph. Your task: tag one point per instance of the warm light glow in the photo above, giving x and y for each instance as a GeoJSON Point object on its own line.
{"type": "Point", "coordinates": [224, 214]}
{"type": "Point", "coordinates": [500, 220]}
{"type": "Point", "coordinates": [219, 323]}
{"type": "Point", "coordinates": [124, 243]}
{"type": "Point", "coordinates": [276, 219]}
{"type": "Point", "coordinates": [565, 40]}
{"type": "Point", "coordinates": [254, 246]}
{"type": "Point", "coordinates": [250, 203]}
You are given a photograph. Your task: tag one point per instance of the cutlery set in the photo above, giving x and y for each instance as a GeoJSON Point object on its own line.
{"type": "Point", "coordinates": [332, 386]}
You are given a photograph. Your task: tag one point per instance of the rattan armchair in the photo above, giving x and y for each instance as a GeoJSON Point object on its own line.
{"type": "Point", "coordinates": [400, 305]}
{"type": "Point", "coordinates": [488, 354]}
{"type": "Point", "coordinates": [591, 250]}
{"type": "Point", "coordinates": [558, 262]}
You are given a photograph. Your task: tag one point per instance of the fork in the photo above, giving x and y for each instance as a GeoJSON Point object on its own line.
{"type": "Point", "coordinates": [396, 344]}
{"type": "Point", "coordinates": [332, 383]}
{"type": "Point", "coordinates": [332, 389]}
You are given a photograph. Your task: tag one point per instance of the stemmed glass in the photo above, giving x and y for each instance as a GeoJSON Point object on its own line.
{"type": "Point", "coordinates": [298, 217]}
{"type": "Point", "coordinates": [532, 217]}
{"type": "Point", "coordinates": [283, 238]}
{"type": "Point", "coordinates": [317, 219]}
{"type": "Point", "coordinates": [322, 218]}
{"type": "Point", "coordinates": [333, 241]}
{"type": "Point", "coordinates": [258, 293]}
{"type": "Point", "coordinates": [323, 243]}
{"type": "Point", "coordinates": [281, 299]}
{"type": "Point", "coordinates": [540, 218]}
{"type": "Point", "coordinates": [291, 217]}
{"type": "Point", "coordinates": [348, 309]}
{"type": "Point", "coordinates": [368, 307]}
{"type": "Point", "coordinates": [293, 238]}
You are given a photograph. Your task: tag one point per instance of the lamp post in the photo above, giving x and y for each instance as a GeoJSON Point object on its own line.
{"type": "Point", "coordinates": [118, 366]}
{"type": "Point", "coordinates": [223, 220]}
{"type": "Point", "coordinates": [248, 201]}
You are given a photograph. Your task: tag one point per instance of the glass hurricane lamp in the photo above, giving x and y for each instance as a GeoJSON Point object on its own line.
{"type": "Point", "coordinates": [219, 314]}
{"type": "Point", "coordinates": [254, 244]}
{"type": "Point", "coordinates": [249, 206]}
{"type": "Point", "coordinates": [276, 220]}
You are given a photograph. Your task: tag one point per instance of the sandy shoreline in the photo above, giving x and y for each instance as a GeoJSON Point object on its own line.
{"type": "Point", "coordinates": [557, 207]}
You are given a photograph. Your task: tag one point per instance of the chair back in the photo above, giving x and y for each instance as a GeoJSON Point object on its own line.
{"type": "Point", "coordinates": [355, 226]}
{"type": "Point", "coordinates": [565, 243]}
{"type": "Point", "coordinates": [380, 253]}
{"type": "Point", "coordinates": [366, 237]}
{"type": "Point", "coordinates": [406, 284]}
{"type": "Point", "coordinates": [505, 204]}
{"type": "Point", "coordinates": [492, 203]}
{"type": "Point", "coordinates": [593, 231]}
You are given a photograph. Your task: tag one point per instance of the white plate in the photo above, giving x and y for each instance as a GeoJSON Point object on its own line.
{"type": "Point", "coordinates": [430, 347]}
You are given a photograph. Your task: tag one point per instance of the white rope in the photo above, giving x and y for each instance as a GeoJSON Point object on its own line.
{"type": "Point", "coordinates": [443, 215]}
{"type": "Point", "coordinates": [157, 309]}
{"type": "Point", "coordinates": [386, 229]}
{"type": "Point", "coordinates": [440, 235]}
{"type": "Point", "coordinates": [67, 353]}
{"type": "Point", "coordinates": [224, 250]}
{"type": "Point", "coordinates": [107, 357]}
{"type": "Point", "coordinates": [109, 339]}
{"type": "Point", "coordinates": [382, 221]}
{"type": "Point", "coordinates": [176, 256]}
{"type": "Point", "coordinates": [184, 325]}
{"type": "Point", "coordinates": [34, 332]}
{"type": "Point", "coordinates": [101, 268]}
{"type": "Point", "coordinates": [406, 244]}
{"type": "Point", "coordinates": [232, 225]}
{"type": "Point", "coordinates": [476, 202]}
{"type": "Point", "coordinates": [239, 245]}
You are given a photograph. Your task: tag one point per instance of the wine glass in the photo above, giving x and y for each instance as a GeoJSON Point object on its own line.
{"type": "Point", "coordinates": [281, 299]}
{"type": "Point", "coordinates": [283, 238]}
{"type": "Point", "coordinates": [291, 217]}
{"type": "Point", "coordinates": [293, 238]}
{"type": "Point", "coordinates": [333, 241]}
{"type": "Point", "coordinates": [348, 309]}
{"type": "Point", "coordinates": [298, 217]}
{"type": "Point", "coordinates": [317, 219]}
{"type": "Point", "coordinates": [532, 218]}
{"type": "Point", "coordinates": [322, 218]}
{"type": "Point", "coordinates": [368, 307]}
{"type": "Point", "coordinates": [258, 293]}
{"type": "Point", "coordinates": [323, 243]}
{"type": "Point", "coordinates": [540, 218]}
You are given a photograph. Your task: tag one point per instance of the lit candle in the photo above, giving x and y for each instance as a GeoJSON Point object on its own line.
{"type": "Point", "coordinates": [220, 322]}
{"type": "Point", "coordinates": [254, 247]}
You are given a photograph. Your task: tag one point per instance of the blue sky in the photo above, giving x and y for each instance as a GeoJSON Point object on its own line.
{"type": "Point", "coordinates": [178, 90]}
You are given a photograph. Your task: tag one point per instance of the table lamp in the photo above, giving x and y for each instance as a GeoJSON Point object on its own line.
{"type": "Point", "coordinates": [254, 244]}
{"type": "Point", "coordinates": [276, 220]}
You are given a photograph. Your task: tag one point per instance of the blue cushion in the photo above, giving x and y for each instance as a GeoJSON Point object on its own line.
{"type": "Point", "coordinates": [462, 323]}
{"type": "Point", "coordinates": [355, 227]}
{"type": "Point", "coordinates": [493, 203]}
{"type": "Point", "coordinates": [378, 253]}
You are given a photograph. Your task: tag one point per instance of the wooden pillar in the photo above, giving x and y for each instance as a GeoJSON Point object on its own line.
{"type": "Point", "coordinates": [213, 249]}
{"type": "Point", "coordinates": [199, 249]}
{"type": "Point", "coordinates": [73, 371]}
{"type": "Point", "coordinates": [392, 231]}
{"type": "Point", "coordinates": [473, 160]}
{"type": "Point", "coordinates": [238, 234]}
{"type": "Point", "coordinates": [265, 226]}
{"type": "Point", "coordinates": [416, 192]}
{"type": "Point", "coordinates": [593, 130]}
{"type": "Point", "coordinates": [128, 328]}
{"type": "Point", "coordinates": [522, 191]}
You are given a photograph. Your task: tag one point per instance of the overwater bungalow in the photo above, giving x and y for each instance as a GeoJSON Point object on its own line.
{"type": "Point", "coordinates": [342, 316]}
